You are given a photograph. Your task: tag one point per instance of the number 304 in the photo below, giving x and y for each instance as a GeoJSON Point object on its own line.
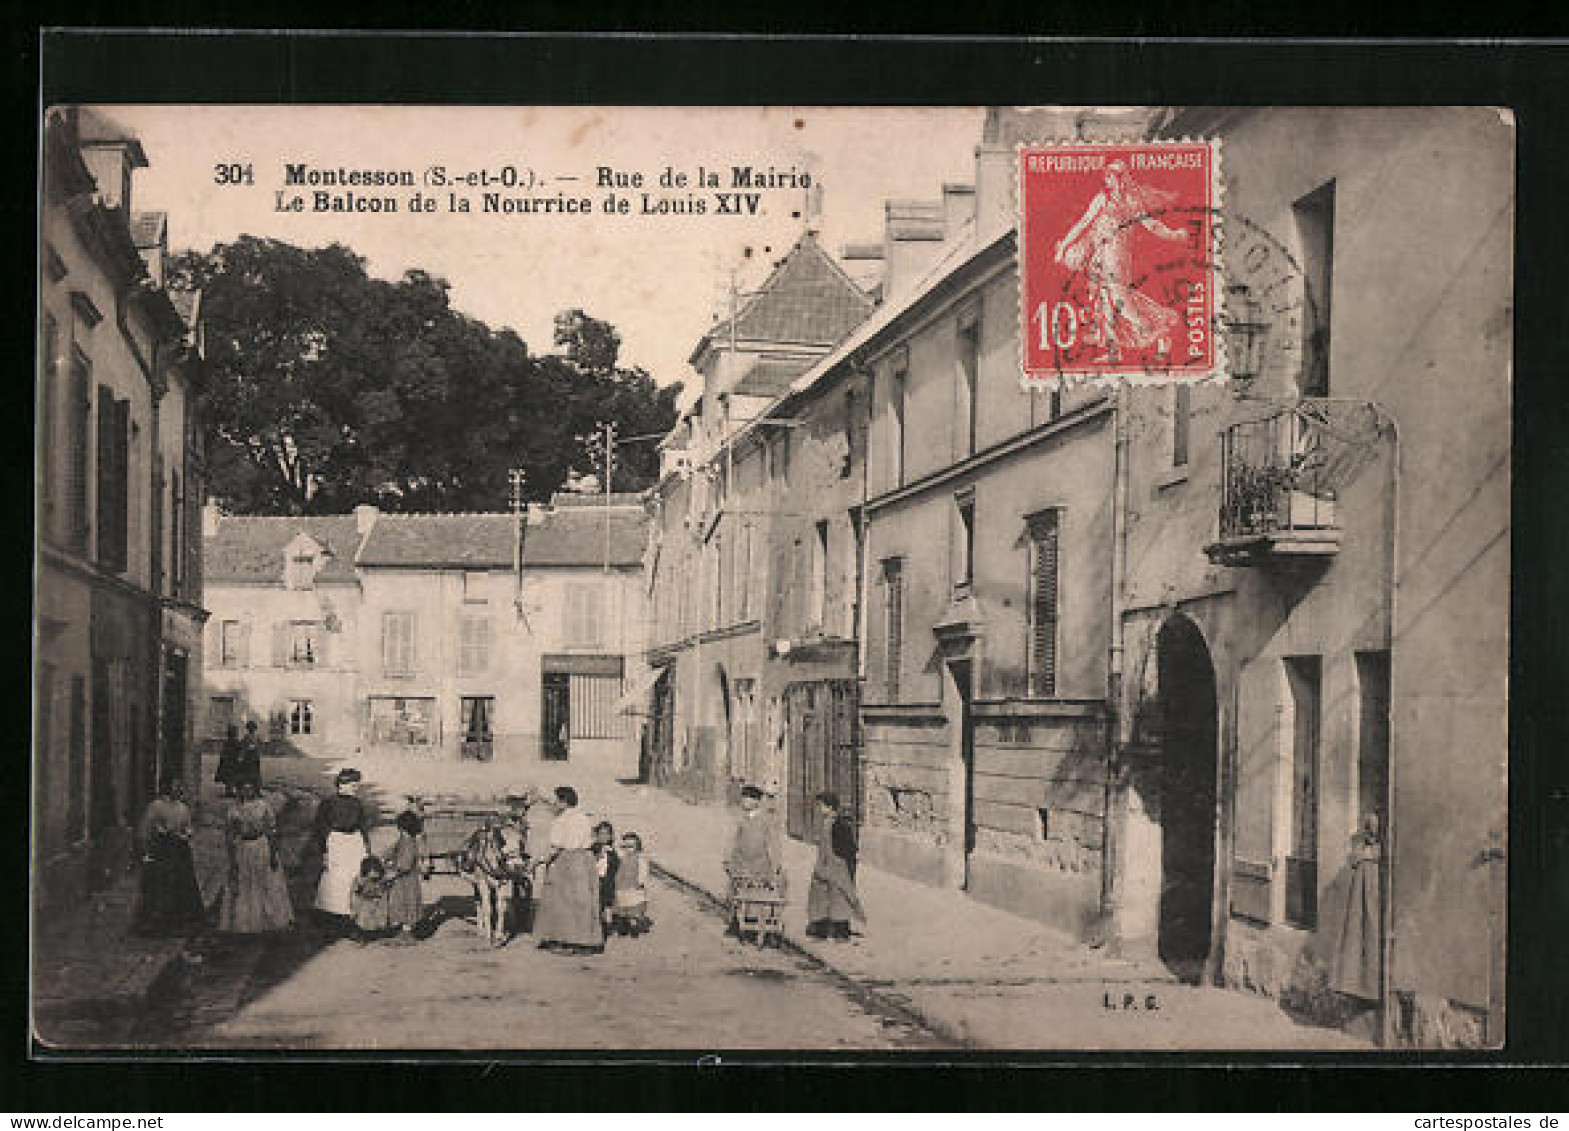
{"type": "Point", "coordinates": [233, 173]}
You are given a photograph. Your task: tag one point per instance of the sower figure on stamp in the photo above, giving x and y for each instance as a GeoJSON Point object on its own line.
{"type": "Point", "coordinates": [756, 857]}
{"type": "Point", "coordinates": [1100, 245]}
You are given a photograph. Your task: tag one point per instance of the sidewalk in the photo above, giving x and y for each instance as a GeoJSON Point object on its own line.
{"type": "Point", "coordinates": [978, 975]}
{"type": "Point", "coordinates": [91, 975]}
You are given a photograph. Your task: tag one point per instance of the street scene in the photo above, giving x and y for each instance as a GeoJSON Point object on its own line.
{"type": "Point", "coordinates": [897, 581]}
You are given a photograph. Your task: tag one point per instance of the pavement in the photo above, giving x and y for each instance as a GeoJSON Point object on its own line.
{"type": "Point", "coordinates": [91, 975]}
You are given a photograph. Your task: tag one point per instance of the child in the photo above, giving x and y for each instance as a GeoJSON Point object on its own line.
{"type": "Point", "coordinates": [608, 866]}
{"type": "Point", "coordinates": [369, 899]}
{"type": "Point", "coordinates": [405, 904]}
{"type": "Point", "coordinates": [630, 913]}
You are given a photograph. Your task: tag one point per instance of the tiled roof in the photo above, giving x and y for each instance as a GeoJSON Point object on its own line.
{"type": "Point", "coordinates": [771, 376]}
{"type": "Point", "coordinates": [808, 299]}
{"type": "Point", "coordinates": [251, 549]}
{"type": "Point", "coordinates": [571, 536]}
{"type": "Point", "coordinates": [147, 228]}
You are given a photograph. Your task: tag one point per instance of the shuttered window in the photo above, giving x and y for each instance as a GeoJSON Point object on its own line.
{"type": "Point", "coordinates": [114, 444]}
{"type": "Point", "coordinates": [475, 634]}
{"type": "Point", "coordinates": [48, 395]}
{"type": "Point", "coordinates": [1042, 529]}
{"type": "Point", "coordinates": [80, 423]}
{"type": "Point", "coordinates": [397, 643]}
{"type": "Point", "coordinates": [583, 616]}
{"type": "Point", "coordinates": [893, 585]}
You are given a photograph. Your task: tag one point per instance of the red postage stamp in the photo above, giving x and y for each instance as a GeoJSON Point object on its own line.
{"type": "Point", "coordinates": [1119, 261]}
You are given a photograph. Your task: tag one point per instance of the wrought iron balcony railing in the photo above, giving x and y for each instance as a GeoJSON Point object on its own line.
{"type": "Point", "coordinates": [1281, 476]}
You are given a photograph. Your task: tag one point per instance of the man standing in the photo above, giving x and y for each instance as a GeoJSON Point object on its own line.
{"type": "Point", "coordinates": [248, 761]}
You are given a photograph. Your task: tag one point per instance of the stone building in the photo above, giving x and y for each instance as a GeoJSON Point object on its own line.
{"type": "Point", "coordinates": [119, 477]}
{"type": "Point", "coordinates": [1140, 662]}
{"type": "Point", "coordinates": [415, 635]}
{"type": "Point", "coordinates": [1313, 609]}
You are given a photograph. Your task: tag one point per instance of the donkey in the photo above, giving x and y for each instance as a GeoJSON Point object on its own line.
{"type": "Point", "coordinates": [495, 861]}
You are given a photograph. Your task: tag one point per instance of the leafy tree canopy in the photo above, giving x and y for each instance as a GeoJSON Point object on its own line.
{"type": "Point", "coordinates": [327, 387]}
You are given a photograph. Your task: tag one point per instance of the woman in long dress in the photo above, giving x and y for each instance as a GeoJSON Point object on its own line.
{"type": "Point", "coordinates": [1100, 245]}
{"type": "Point", "coordinates": [171, 898]}
{"type": "Point", "coordinates": [1354, 962]}
{"type": "Point", "coordinates": [256, 897]}
{"type": "Point", "coordinates": [343, 835]}
{"type": "Point", "coordinates": [569, 906]}
{"type": "Point", "coordinates": [832, 901]}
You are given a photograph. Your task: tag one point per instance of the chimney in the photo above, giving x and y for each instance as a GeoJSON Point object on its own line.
{"type": "Point", "coordinates": [958, 208]}
{"type": "Point", "coordinates": [211, 516]}
{"type": "Point", "coordinates": [912, 240]}
{"type": "Point", "coordinates": [365, 517]}
{"type": "Point", "coordinates": [996, 194]}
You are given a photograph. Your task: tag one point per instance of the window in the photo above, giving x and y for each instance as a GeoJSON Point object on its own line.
{"type": "Point", "coordinates": [49, 347]}
{"type": "Point", "coordinates": [473, 588]}
{"type": "Point", "coordinates": [819, 612]}
{"type": "Point", "coordinates": [1315, 216]}
{"type": "Point", "coordinates": [583, 629]}
{"type": "Point", "coordinates": [967, 377]}
{"type": "Point", "coordinates": [848, 461]}
{"type": "Point", "coordinates": [304, 643]}
{"type": "Point", "coordinates": [1181, 412]}
{"type": "Point", "coordinates": [964, 569]}
{"type": "Point", "coordinates": [232, 644]}
{"type": "Point", "coordinates": [1041, 666]}
{"type": "Point", "coordinates": [176, 535]}
{"type": "Point", "coordinates": [220, 715]}
{"type": "Point", "coordinates": [114, 475]}
{"type": "Point", "coordinates": [744, 579]}
{"type": "Point", "coordinates": [402, 721]}
{"type": "Point", "coordinates": [300, 572]}
{"type": "Point", "coordinates": [478, 721]}
{"type": "Point", "coordinates": [300, 720]}
{"type": "Point", "coordinates": [857, 555]}
{"type": "Point", "coordinates": [893, 623]}
{"type": "Point", "coordinates": [1304, 680]}
{"type": "Point", "coordinates": [397, 643]}
{"type": "Point", "coordinates": [80, 426]}
{"type": "Point", "coordinates": [475, 636]}
{"type": "Point", "coordinates": [900, 390]}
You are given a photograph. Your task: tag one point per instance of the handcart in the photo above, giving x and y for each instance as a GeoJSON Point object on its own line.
{"type": "Point", "coordinates": [757, 908]}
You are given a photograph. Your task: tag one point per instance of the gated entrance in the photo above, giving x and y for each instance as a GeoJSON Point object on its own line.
{"type": "Point", "coordinates": [823, 736]}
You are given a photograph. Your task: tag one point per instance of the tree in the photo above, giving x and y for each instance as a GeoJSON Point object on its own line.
{"type": "Point", "coordinates": [329, 388]}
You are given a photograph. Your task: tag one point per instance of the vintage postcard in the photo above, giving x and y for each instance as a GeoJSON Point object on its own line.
{"type": "Point", "coordinates": [949, 578]}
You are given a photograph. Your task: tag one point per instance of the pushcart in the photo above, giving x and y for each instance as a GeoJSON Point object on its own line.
{"type": "Point", "coordinates": [757, 906]}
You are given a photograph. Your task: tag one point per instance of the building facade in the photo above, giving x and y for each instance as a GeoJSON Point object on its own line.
{"type": "Point", "coordinates": [118, 584]}
{"type": "Point", "coordinates": [405, 635]}
{"type": "Point", "coordinates": [1139, 662]}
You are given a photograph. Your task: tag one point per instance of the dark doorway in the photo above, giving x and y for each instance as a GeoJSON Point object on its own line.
{"type": "Point", "coordinates": [556, 733]}
{"type": "Point", "coordinates": [963, 683]}
{"type": "Point", "coordinates": [101, 790]}
{"type": "Point", "coordinates": [172, 766]}
{"type": "Point", "coordinates": [478, 713]}
{"type": "Point", "coordinates": [659, 735]}
{"type": "Point", "coordinates": [1187, 803]}
{"type": "Point", "coordinates": [823, 740]}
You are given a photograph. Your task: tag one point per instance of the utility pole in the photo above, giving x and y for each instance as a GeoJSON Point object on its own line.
{"type": "Point", "coordinates": [610, 466]}
{"type": "Point", "coordinates": [517, 479]}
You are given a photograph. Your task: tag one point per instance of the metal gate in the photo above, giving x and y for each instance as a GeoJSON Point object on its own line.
{"type": "Point", "coordinates": [823, 736]}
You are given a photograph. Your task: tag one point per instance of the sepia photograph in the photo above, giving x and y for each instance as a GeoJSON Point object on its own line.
{"type": "Point", "coordinates": [853, 579]}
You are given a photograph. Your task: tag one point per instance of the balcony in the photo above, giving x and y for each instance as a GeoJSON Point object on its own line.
{"type": "Point", "coordinates": [1281, 477]}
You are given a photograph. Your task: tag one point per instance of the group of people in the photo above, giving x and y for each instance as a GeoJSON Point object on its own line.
{"type": "Point", "coordinates": [593, 885]}
{"type": "Point", "coordinates": [239, 759]}
{"type": "Point", "coordinates": [756, 862]}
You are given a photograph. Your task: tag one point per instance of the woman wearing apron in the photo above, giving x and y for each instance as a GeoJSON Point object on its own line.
{"type": "Point", "coordinates": [343, 832]}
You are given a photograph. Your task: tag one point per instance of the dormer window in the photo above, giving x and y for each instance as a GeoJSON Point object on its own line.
{"type": "Point", "coordinates": [302, 557]}
{"type": "Point", "coordinates": [300, 572]}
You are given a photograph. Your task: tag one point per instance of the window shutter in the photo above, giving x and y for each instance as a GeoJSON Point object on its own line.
{"type": "Point", "coordinates": [894, 579]}
{"type": "Point", "coordinates": [106, 460]}
{"type": "Point", "coordinates": [1043, 604]}
{"type": "Point", "coordinates": [319, 641]}
{"type": "Point", "coordinates": [243, 652]}
{"type": "Point", "coordinates": [280, 644]}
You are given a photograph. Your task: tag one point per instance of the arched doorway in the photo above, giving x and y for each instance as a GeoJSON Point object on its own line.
{"type": "Point", "coordinates": [1186, 679]}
